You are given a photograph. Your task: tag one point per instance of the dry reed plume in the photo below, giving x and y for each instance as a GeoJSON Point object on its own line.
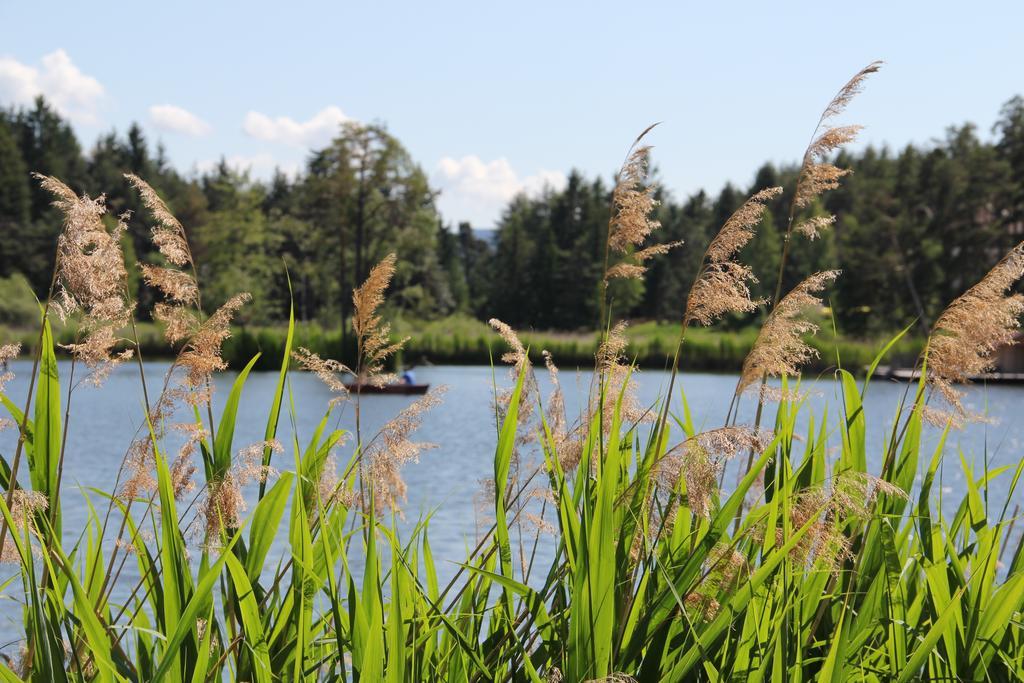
{"type": "Point", "coordinates": [25, 506]}
{"type": "Point", "coordinates": [519, 364]}
{"type": "Point", "coordinates": [201, 356]}
{"type": "Point", "coordinates": [168, 233]}
{"type": "Point", "coordinates": [139, 461]}
{"type": "Point", "coordinates": [91, 277]}
{"type": "Point", "coordinates": [770, 394]}
{"type": "Point", "coordinates": [631, 223]}
{"type": "Point", "coordinates": [780, 348]}
{"type": "Point", "coordinates": [724, 570]}
{"type": "Point", "coordinates": [699, 460]}
{"type": "Point", "coordinates": [849, 495]}
{"type": "Point", "coordinates": [566, 442]}
{"type": "Point", "coordinates": [373, 335]}
{"type": "Point", "coordinates": [968, 332]}
{"type": "Point", "coordinates": [180, 313]}
{"type": "Point", "coordinates": [816, 175]}
{"type": "Point", "coordinates": [224, 504]}
{"type": "Point", "coordinates": [8, 352]}
{"type": "Point", "coordinates": [556, 402]}
{"type": "Point", "coordinates": [619, 384]}
{"type": "Point", "coordinates": [329, 484]}
{"type": "Point", "coordinates": [326, 370]}
{"type": "Point", "coordinates": [722, 286]}
{"type": "Point", "coordinates": [393, 448]}
{"type": "Point", "coordinates": [812, 227]}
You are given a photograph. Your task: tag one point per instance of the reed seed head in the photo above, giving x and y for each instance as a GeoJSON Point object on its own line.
{"type": "Point", "coordinates": [631, 224]}
{"type": "Point", "coordinates": [722, 286]}
{"type": "Point", "coordinates": [633, 201]}
{"type": "Point", "coordinates": [566, 443]}
{"type": "Point", "coordinates": [224, 502]}
{"type": "Point", "coordinates": [780, 348]}
{"type": "Point", "coordinates": [91, 277]}
{"type": "Point", "coordinates": [393, 448]}
{"type": "Point", "coordinates": [634, 269]}
{"type": "Point", "coordinates": [373, 334]}
{"type": "Point", "coordinates": [813, 227]}
{"type": "Point", "coordinates": [140, 478]}
{"type": "Point", "coordinates": [249, 461]}
{"type": "Point", "coordinates": [704, 606]}
{"type": "Point", "coordinates": [826, 508]}
{"type": "Point", "coordinates": [168, 233]}
{"type": "Point", "coordinates": [694, 465]}
{"type": "Point", "coordinates": [179, 321]}
{"type": "Point", "coordinates": [25, 505]}
{"type": "Point", "coordinates": [176, 285]}
{"type": "Point", "coordinates": [223, 507]}
{"type": "Point", "coordinates": [618, 385]}
{"type": "Point", "coordinates": [326, 370]}
{"type": "Point", "coordinates": [201, 356]}
{"type": "Point", "coordinates": [851, 89]}
{"type": "Point", "coordinates": [817, 177]}
{"type": "Point", "coordinates": [8, 352]}
{"type": "Point", "coordinates": [966, 335]}
{"type": "Point", "coordinates": [328, 484]}
{"type": "Point", "coordinates": [519, 363]}
{"type": "Point", "coordinates": [539, 524]}
{"type": "Point", "coordinates": [770, 394]}
{"type": "Point", "coordinates": [698, 460]}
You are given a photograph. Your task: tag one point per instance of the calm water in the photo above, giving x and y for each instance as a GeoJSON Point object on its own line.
{"type": "Point", "coordinates": [446, 479]}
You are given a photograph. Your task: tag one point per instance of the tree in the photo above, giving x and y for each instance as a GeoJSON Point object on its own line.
{"type": "Point", "coordinates": [365, 189]}
{"type": "Point", "coordinates": [451, 262]}
{"type": "Point", "coordinates": [475, 255]}
{"type": "Point", "coordinates": [1010, 147]}
{"type": "Point", "coordinates": [48, 146]}
{"type": "Point", "coordinates": [15, 190]}
{"type": "Point", "coordinates": [15, 203]}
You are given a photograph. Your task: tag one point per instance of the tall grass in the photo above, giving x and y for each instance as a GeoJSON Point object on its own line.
{"type": "Point", "coordinates": [811, 567]}
{"type": "Point", "coordinates": [461, 340]}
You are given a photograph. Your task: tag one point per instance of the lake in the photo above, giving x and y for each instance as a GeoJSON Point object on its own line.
{"type": "Point", "coordinates": [447, 479]}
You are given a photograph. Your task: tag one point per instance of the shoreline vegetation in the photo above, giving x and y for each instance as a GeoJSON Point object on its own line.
{"type": "Point", "coordinates": [910, 228]}
{"type": "Point", "coordinates": [461, 340]}
{"type": "Point", "coordinates": [820, 561]}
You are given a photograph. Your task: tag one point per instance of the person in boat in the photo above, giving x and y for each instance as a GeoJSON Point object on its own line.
{"type": "Point", "coordinates": [409, 376]}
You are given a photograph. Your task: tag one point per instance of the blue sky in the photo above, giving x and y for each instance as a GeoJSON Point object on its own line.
{"type": "Point", "coordinates": [494, 98]}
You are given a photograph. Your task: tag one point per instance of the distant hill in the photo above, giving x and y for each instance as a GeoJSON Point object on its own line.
{"type": "Point", "coordinates": [488, 235]}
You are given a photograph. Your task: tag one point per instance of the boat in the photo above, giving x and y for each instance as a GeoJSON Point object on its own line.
{"type": "Point", "coordinates": [398, 389]}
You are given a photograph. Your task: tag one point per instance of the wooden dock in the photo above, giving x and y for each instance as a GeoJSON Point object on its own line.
{"type": "Point", "coordinates": [904, 374]}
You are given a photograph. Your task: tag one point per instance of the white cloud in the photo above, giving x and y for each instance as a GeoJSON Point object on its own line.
{"type": "Point", "coordinates": [260, 166]}
{"type": "Point", "coordinates": [477, 190]}
{"type": "Point", "coordinates": [317, 131]}
{"type": "Point", "coordinates": [73, 93]}
{"type": "Point", "coordinates": [178, 120]}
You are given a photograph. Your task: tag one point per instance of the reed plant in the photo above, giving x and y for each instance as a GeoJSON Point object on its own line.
{"type": "Point", "coordinates": [614, 554]}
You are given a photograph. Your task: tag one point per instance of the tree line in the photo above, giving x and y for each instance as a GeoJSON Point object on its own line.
{"type": "Point", "coordinates": [915, 227]}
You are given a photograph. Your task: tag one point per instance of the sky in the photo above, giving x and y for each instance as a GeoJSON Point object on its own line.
{"type": "Point", "coordinates": [494, 98]}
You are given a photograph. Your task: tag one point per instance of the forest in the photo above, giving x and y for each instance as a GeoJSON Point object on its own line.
{"type": "Point", "coordinates": [914, 227]}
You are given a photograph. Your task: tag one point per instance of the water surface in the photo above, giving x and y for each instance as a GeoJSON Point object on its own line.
{"type": "Point", "coordinates": [446, 481]}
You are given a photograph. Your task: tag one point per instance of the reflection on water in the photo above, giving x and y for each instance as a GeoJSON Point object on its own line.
{"type": "Point", "coordinates": [447, 479]}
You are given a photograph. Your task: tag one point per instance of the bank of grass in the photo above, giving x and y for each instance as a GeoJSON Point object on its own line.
{"type": "Point", "coordinates": [464, 340]}
{"type": "Point", "coordinates": [461, 340]}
